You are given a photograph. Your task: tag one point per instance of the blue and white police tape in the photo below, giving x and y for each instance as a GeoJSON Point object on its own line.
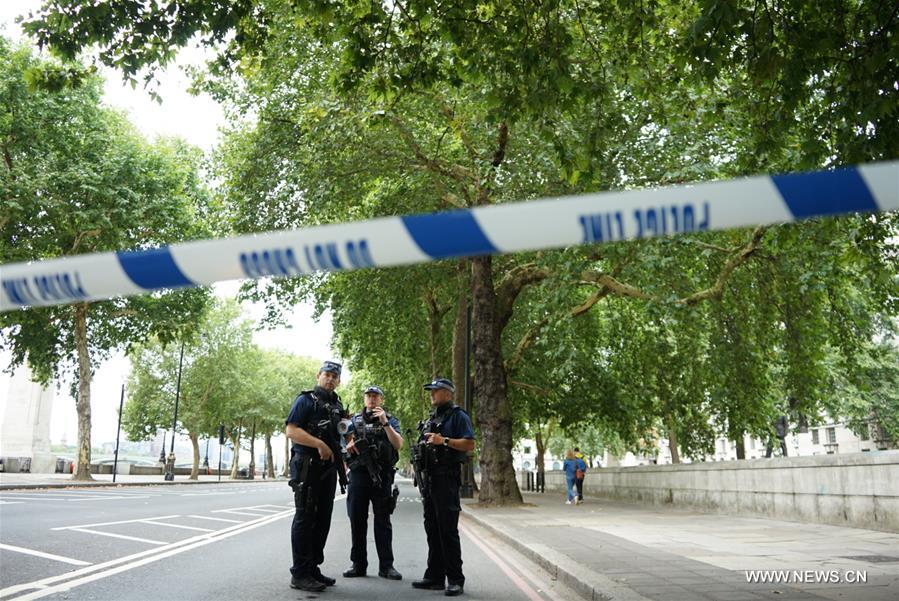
{"type": "Point", "coordinates": [506, 228]}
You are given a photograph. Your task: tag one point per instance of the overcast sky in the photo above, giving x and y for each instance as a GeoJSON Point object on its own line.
{"type": "Point", "coordinates": [197, 119]}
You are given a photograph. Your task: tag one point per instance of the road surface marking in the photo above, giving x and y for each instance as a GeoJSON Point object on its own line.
{"type": "Point", "coordinates": [508, 571]}
{"type": "Point", "coordinates": [158, 554]}
{"type": "Point", "coordinates": [235, 512]}
{"type": "Point", "coordinates": [114, 535]}
{"type": "Point", "coordinates": [542, 586]}
{"type": "Point", "coordinates": [161, 517]}
{"type": "Point", "coordinates": [108, 498]}
{"type": "Point", "coordinates": [155, 523]}
{"type": "Point", "coordinates": [74, 562]}
{"type": "Point", "coordinates": [203, 517]}
{"type": "Point", "coordinates": [18, 498]}
{"type": "Point", "coordinates": [115, 566]}
{"type": "Point", "coordinates": [11, 502]}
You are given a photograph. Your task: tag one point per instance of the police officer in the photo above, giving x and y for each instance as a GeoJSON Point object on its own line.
{"type": "Point", "coordinates": [315, 466]}
{"type": "Point", "coordinates": [372, 455]}
{"type": "Point", "coordinates": [449, 436]}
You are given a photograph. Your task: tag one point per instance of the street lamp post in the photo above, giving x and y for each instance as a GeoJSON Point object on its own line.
{"type": "Point", "coordinates": [115, 463]}
{"type": "Point", "coordinates": [170, 463]}
{"type": "Point", "coordinates": [162, 450]}
{"type": "Point", "coordinates": [467, 489]}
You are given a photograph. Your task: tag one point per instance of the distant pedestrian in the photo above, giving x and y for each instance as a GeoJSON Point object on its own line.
{"type": "Point", "coordinates": [781, 425]}
{"type": "Point", "coordinates": [571, 467]}
{"type": "Point", "coordinates": [579, 474]}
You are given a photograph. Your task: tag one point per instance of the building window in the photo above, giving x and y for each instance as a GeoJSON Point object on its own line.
{"type": "Point", "coordinates": [831, 435]}
{"type": "Point", "coordinates": [815, 437]}
{"type": "Point", "coordinates": [752, 444]}
{"type": "Point", "coordinates": [864, 435]}
{"type": "Point", "coordinates": [526, 465]}
{"type": "Point", "coordinates": [527, 450]}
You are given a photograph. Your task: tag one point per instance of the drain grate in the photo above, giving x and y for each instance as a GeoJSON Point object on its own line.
{"type": "Point", "coordinates": [873, 558]}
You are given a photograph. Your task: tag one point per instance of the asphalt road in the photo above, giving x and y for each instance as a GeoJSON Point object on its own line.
{"type": "Point", "coordinates": [221, 542]}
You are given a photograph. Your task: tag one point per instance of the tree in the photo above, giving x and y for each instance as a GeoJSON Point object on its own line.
{"type": "Point", "coordinates": [430, 106]}
{"type": "Point", "coordinates": [78, 178]}
{"type": "Point", "coordinates": [216, 362]}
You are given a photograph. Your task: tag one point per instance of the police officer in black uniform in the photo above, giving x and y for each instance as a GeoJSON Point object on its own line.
{"type": "Point", "coordinates": [316, 465]}
{"type": "Point", "coordinates": [371, 457]}
{"type": "Point", "coordinates": [448, 435]}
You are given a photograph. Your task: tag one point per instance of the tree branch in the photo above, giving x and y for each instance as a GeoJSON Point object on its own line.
{"type": "Point", "coordinates": [511, 286]}
{"type": "Point", "coordinates": [456, 172]}
{"type": "Point", "coordinates": [717, 289]}
{"type": "Point", "coordinates": [531, 387]}
{"type": "Point", "coordinates": [524, 344]}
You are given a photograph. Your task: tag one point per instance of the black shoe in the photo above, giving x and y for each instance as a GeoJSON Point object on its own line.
{"type": "Point", "coordinates": [354, 572]}
{"type": "Point", "coordinates": [307, 583]}
{"type": "Point", "coordinates": [326, 580]}
{"type": "Point", "coordinates": [390, 573]}
{"type": "Point", "coordinates": [453, 590]}
{"type": "Point", "coordinates": [427, 583]}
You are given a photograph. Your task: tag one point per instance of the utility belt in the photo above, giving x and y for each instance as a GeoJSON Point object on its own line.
{"type": "Point", "coordinates": [442, 459]}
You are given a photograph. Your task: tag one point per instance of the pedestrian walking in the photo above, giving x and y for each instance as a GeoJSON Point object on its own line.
{"type": "Point", "coordinates": [571, 466]}
{"type": "Point", "coordinates": [781, 426]}
{"type": "Point", "coordinates": [579, 474]}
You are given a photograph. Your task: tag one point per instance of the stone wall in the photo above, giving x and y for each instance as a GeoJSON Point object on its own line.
{"type": "Point", "coordinates": [856, 489]}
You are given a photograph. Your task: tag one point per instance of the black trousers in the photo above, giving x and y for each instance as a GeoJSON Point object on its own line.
{"type": "Point", "coordinates": [314, 500]}
{"type": "Point", "coordinates": [360, 493]}
{"type": "Point", "coordinates": [783, 447]}
{"type": "Point", "coordinates": [579, 483]}
{"type": "Point", "coordinates": [441, 513]}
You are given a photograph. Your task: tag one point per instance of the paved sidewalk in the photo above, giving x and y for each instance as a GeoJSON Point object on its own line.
{"type": "Point", "coordinates": [15, 480]}
{"type": "Point", "coordinates": [616, 551]}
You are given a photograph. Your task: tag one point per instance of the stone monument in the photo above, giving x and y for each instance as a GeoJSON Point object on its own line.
{"type": "Point", "coordinates": [25, 424]}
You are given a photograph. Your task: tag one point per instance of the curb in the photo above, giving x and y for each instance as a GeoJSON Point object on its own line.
{"type": "Point", "coordinates": [590, 585]}
{"type": "Point", "coordinates": [77, 484]}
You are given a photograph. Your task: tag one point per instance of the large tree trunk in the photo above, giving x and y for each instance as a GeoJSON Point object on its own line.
{"type": "Point", "coordinates": [83, 401]}
{"type": "Point", "coordinates": [541, 450]}
{"type": "Point", "coordinates": [672, 440]}
{"type": "Point", "coordinates": [251, 470]}
{"type": "Point", "coordinates": [498, 484]}
{"type": "Point", "coordinates": [741, 447]}
{"type": "Point", "coordinates": [459, 336]}
{"type": "Point", "coordinates": [269, 460]}
{"type": "Point", "coordinates": [235, 440]}
{"type": "Point", "coordinates": [195, 468]}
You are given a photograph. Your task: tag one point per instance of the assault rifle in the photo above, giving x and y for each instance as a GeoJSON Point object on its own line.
{"type": "Point", "coordinates": [326, 431]}
{"type": "Point", "coordinates": [367, 455]}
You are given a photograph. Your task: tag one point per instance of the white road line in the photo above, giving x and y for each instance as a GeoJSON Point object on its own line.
{"type": "Point", "coordinates": [202, 540]}
{"type": "Point", "coordinates": [161, 517]}
{"type": "Point", "coordinates": [137, 559]}
{"type": "Point", "coordinates": [236, 512]}
{"type": "Point", "coordinates": [108, 498]}
{"type": "Point", "coordinates": [38, 498]}
{"type": "Point", "coordinates": [114, 535]}
{"type": "Point", "coordinates": [74, 562]}
{"type": "Point", "coordinates": [177, 526]}
{"type": "Point", "coordinates": [203, 517]}
{"type": "Point", "coordinates": [11, 502]}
